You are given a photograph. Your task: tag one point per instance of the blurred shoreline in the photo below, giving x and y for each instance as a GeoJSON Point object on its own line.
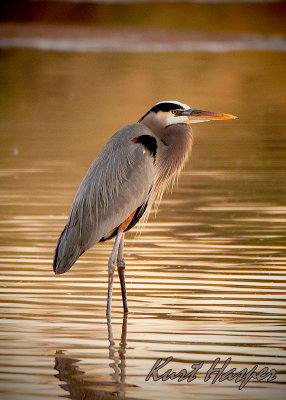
{"type": "Point", "coordinates": [266, 18]}
{"type": "Point", "coordinates": [123, 39]}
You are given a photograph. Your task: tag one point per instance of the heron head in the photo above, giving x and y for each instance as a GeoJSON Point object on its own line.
{"type": "Point", "coordinates": [168, 113]}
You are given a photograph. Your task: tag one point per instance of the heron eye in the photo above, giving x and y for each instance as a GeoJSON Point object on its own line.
{"type": "Point", "coordinates": [174, 112]}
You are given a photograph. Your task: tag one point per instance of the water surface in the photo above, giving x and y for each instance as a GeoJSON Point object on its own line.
{"type": "Point", "coordinates": [206, 277]}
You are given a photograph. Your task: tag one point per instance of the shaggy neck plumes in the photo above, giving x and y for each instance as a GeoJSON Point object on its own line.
{"type": "Point", "coordinates": [175, 149]}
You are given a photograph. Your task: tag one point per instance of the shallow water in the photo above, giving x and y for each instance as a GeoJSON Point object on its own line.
{"type": "Point", "coordinates": [206, 277]}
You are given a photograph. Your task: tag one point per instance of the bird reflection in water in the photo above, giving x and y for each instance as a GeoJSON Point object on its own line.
{"type": "Point", "coordinates": [72, 378]}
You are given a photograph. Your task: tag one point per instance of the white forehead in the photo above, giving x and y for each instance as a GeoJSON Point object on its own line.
{"type": "Point", "coordinates": [185, 106]}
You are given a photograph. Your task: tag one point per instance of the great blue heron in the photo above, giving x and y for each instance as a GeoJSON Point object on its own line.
{"type": "Point", "coordinates": [127, 177]}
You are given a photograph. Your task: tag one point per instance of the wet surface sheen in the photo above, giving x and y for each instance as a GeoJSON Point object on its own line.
{"type": "Point", "coordinates": [206, 277]}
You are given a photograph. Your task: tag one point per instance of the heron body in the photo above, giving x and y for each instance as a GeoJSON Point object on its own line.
{"type": "Point", "coordinates": [127, 177]}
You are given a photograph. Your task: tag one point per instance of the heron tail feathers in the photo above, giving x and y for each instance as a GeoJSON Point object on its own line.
{"type": "Point", "coordinates": [67, 252]}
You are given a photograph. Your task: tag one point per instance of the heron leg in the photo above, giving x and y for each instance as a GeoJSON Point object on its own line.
{"type": "Point", "coordinates": [121, 273]}
{"type": "Point", "coordinates": [111, 268]}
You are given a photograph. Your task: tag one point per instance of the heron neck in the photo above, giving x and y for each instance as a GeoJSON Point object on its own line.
{"type": "Point", "coordinates": [175, 148]}
{"type": "Point", "coordinates": [176, 143]}
{"type": "Point", "coordinates": [177, 136]}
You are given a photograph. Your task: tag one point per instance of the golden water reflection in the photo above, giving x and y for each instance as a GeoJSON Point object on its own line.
{"type": "Point", "coordinates": [206, 276]}
{"type": "Point", "coordinates": [79, 388]}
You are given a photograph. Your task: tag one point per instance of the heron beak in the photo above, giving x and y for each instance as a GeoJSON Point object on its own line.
{"type": "Point", "coordinates": [202, 116]}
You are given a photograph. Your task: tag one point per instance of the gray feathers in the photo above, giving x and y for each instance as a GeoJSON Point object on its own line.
{"type": "Point", "coordinates": [116, 184]}
{"type": "Point", "coordinates": [129, 175]}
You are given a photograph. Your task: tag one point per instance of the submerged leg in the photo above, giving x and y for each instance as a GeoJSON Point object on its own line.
{"type": "Point", "coordinates": [121, 273]}
{"type": "Point", "coordinates": [111, 268]}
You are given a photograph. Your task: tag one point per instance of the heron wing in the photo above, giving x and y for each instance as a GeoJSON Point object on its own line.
{"type": "Point", "coordinates": [117, 183]}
